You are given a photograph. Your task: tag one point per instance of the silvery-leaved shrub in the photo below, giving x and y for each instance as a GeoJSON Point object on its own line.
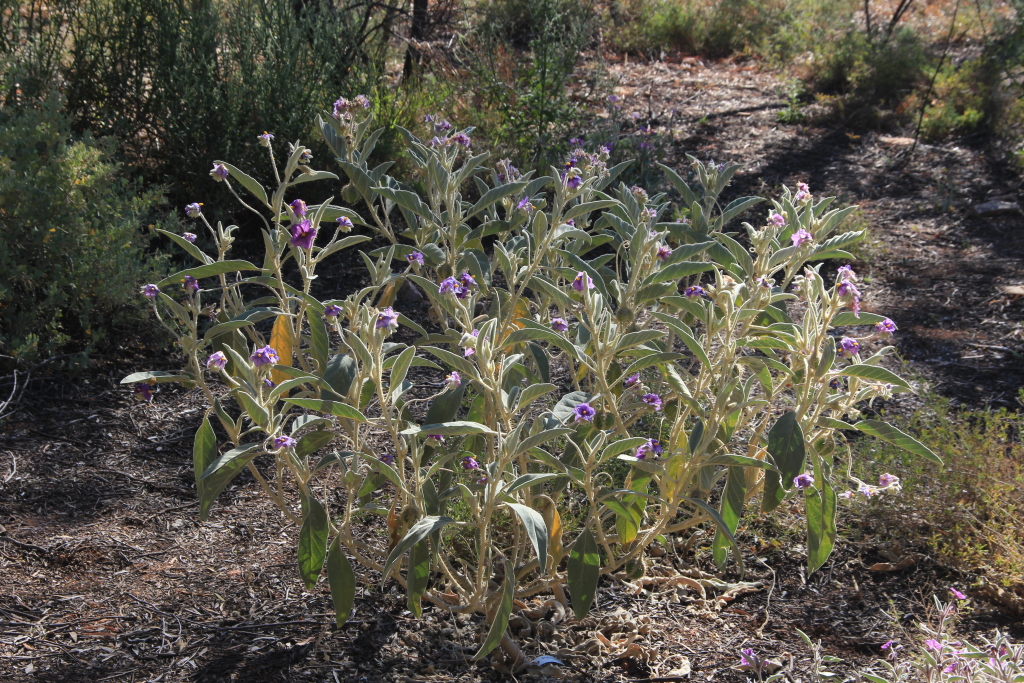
{"type": "Point", "coordinates": [604, 371]}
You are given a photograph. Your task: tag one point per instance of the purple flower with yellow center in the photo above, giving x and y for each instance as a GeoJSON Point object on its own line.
{"type": "Point", "coordinates": [584, 412]}
{"type": "Point", "coordinates": [467, 280]}
{"type": "Point", "coordinates": [887, 480]}
{"type": "Point", "coordinates": [387, 318]}
{"type": "Point", "coordinates": [664, 251]}
{"type": "Point", "coordinates": [525, 204]}
{"type": "Point", "coordinates": [332, 311]}
{"type": "Point", "coordinates": [573, 180]}
{"type": "Point", "coordinates": [469, 463]}
{"type": "Point", "coordinates": [652, 400]}
{"type": "Point", "coordinates": [190, 283]}
{"type": "Point", "coordinates": [846, 495]}
{"type": "Point", "coordinates": [305, 157]}
{"type": "Point", "coordinates": [847, 289]}
{"type": "Point", "coordinates": [835, 384]}
{"type": "Point", "coordinates": [461, 139]}
{"type": "Point", "coordinates": [299, 208]}
{"type": "Point", "coordinates": [447, 286]}
{"type": "Point", "coordinates": [303, 234]}
{"type": "Point", "coordinates": [803, 481]}
{"type": "Point", "coordinates": [150, 291]}
{"type": "Point", "coordinates": [344, 223]}
{"type": "Point", "coordinates": [631, 380]}
{"type": "Point", "coordinates": [340, 106]}
{"type": "Point", "coordinates": [189, 237]}
{"type": "Point", "coordinates": [363, 101]}
{"type": "Point", "coordinates": [194, 210]}
{"type": "Point", "coordinates": [582, 281]}
{"type": "Point", "coordinates": [693, 292]}
{"type": "Point", "coordinates": [265, 138]}
{"type": "Point", "coordinates": [885, 327]}
{"type": "Point", "coordinates": [652, 447]}
{"type": "Point", "coordinates": [453, 381]}
{"type": "Point", "coordinates": [216, 360]}
{"type": "Point", "coordinates": [777, 219]}
{"type": "Point", "coordinates": [848, 348]}
{"type": "Point", "coordinates": [387, 459]}
{"type": "Point", "coordinates": [846, 274]}
{"type": "Point", "coordinates": [801, 237]}
{"type": "Point", "coordinates": [143, 391]}
{"type": "Point", "coordinates": [613, 98]}
{"type": "Point", "coordinates": [442, 126]}
{"type": "Point", "coordinates": [219, 172]}
{"type": "Point", "coordinates": [415, 257]}
{"type": "Point", "coordinates": [264, 356]}
{"type": "Point", "coordinates": [866, 491]}
{"type": "Point", "coordinates": [803, 192]}
{"type": "Point", "coordinates": [461, 292]}
{"type": "Point", "coordinates": [559, 324]}
{"type": "Point", "coordinates": [763, 282]}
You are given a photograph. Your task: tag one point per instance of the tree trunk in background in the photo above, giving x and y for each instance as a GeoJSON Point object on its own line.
{"type": "Point", "coordinates": [416, 32]}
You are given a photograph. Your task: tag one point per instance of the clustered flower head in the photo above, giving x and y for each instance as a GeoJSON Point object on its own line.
{"type": "Point", "coordinates": [151, 291]}
{"type": "Point", "coordinates": [216, 360]}
{"type": "Point", "coordinates": [652, 447]}
{"type": "Point", "coordinates": [803, 192]}
{"type": "Point", "coordinates": [387, 319]}
{"type": "Point", "coordinates": [264, 356]}
{"type": "Point", "coordinates": [143, 391]}
{"type": "Point", "coordinates": [652, 400]}
{"type": "Point", "coordinates": [265, 138]}
{"type": "Point", "coordinates": [332, 311]}
{"type": "Point", "coordinates": [584, 412]}
{"type": "Point", "coordinates": [344, 223]}
{"type": "Point", "coordinates": [848, 348]}
{"type": "Point", "coordinates": [189, 237]}
{"type": "Point", "coordinates": [460, 287]}
{"type": "Point", "coordinates": [219, 172]}
{"type": "Point", "coordinates": [847, 290]}
{"type": "Point", "coordinates": [303, 234]}
{"type": "Point", "coordinates": [803, 481]}
{"type": "Point", "coordinates": [415, 257]}
{"type": "Point", "coordinates": [559, 324]}
{"type": "Point", "coordinates": [801, 237]}
{"type": "Point", "coordinates": [284, 442]}
{"type": "Point", "coordinates": [582, 281]}
{"type": "Point", "coordinates": [885, 327]}
{"type": "Point", "coordinates": [194, 210]}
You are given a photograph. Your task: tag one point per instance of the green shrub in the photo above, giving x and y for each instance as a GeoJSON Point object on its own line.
{"type": "Point", "coordinates": [71, 249]}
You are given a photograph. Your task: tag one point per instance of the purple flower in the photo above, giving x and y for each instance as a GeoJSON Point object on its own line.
{"type": "Point", "coordinates": [888, 644]}
{"type": "Point", "coordinates": [631, 380]}
{"type": "Point", "coordinates": [886, 480]}
{"type": "Point", "coordinates": [866, 491]}
{"type": "Point", "coordinates": [387, 318]}
{"type": "Point", "coordinates": [467, 280]}
{"type": "Point", "coordinates": [363, 101]}
{"type": "Point", "coordinates": [284, 442]}
{"type": "Point", "coordinates": [613, 98]}
{"type": "Point", "coordinates": [415, 257]}
{"type": "Point", "coordinates": [438, 142]}
{"type": "Point", "coordinates": [340, 105]}
{"type": "Point", "coordinates": [453, 381]}
{"type": "Point", "coordinates": [559, 324]}
{"type": "Point", "coordinates": [470, 463]}
{"type": "Point", "coordinates": [693, 292]}
{"type": "Point", "coordinates": [442, 126]}
{"type": "Point", "coordinates": [461, 139]}
{"type": "Point", "coordinates": [216, 360]}
{"type": "Point", "coordinates": [575, 142]}
{"type": "Point", "coordinates": [584, 413]}
{"type": "Point", "coordinates": [332, 311]}
{"type": "Point", "coordinates": [194, 210]}
{"type": "Point", "coordinates": [264, 356]}
{"type": "Point", "coordinates": [299, 208]}
{"type": "Point", "coordinates": [846, 495]}
{"type": "Point", "coordinates": [436, 437]}
{"type": "Point", "coordinates": [885, 327]}
{"type": "Point", "coordinates": [847, 288]}
{"type": "Point", "coordinates": [344, 223]}
{"type": "Point", "coordinates": [639, 192]}
{"type": "Point", "coordinates": [143, 391]}
{"type": "Point", "coordinates": [777, 219]}
{"type": "Point", "coordinates": [848, 348]}
{"type": "Point", "coordinates": [525, 204]}
{"type": "Point", "coordinates": [957, 594]}
{"type": "Point", "coordinates": [800, 237]}
{"type": "Point", "coordinates": [652, 447]}
{"type": "Point", "coordinates": [190, 283]}
{"type": "Point", "coordinates": [933, 645]}
{"type": "Point", "coordinates": [652, 400]}
{"type": "Point", "coordinates": [763, 282]}
{"type": "Point", "coordinates": [573, 181]}
{"type": "Point", "coordinates": [470, 350]}
{"type": "Point", "coordinates": [150, 291]}
{"type": "Point", "coordinates": [387, 458]}
{"type": "Point", "coordinates": [219, 172]}
{"type": "Point", "coordinates": [846, 274]}
{"type": "Point", "coordinates": [482, 480]}
{"type": "Point", "coordinates": [582, 282]}
{"type": "Point", "coordinates": [305, 157]}
{"type": "Point", "coordinates": [747, 657]}
{"type": "Point", "coordinates": [189, 237]}
{"type": "Point", "coordinates": [265, 138]}
{"type": "Point", "coordinates": [461, 292]}
{"type": "Point", "coordinates": [664, 251]}
{"type": "Point", "coordinates": [835, 384]}
{"type": "Point", "coordinates": [447, 286]}
{"type": "Point", "coordinates": [803, 481]}
{"type": "Point", "coordinates": [803, 192]}
{"type": "Point", "coordinates": [303, 235]}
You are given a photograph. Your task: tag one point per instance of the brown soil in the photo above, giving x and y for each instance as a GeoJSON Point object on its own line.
{"type": "Point", "coordinates": [107, 575]}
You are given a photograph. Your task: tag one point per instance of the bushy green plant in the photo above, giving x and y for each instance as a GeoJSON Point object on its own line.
{"type": "Point", "coordinates": [606, 370]}
{"type": "Point", "coordinates": [73, 238]}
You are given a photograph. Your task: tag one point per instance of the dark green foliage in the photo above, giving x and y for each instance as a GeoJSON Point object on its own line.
{"type": "Point", "coordinates": [72, 236]}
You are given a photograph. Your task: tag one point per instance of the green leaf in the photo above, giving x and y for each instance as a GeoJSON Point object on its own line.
{"type": "Point", "coordinates": [786, 446]}
{"type": "Point", "coordinates": [328, 407]}
{"type": "Point", "coordinates": [494, 195]}
{"type": "Point", "coordinates": [340, 373]}
{"type": "Point", "coordinates": [416, 580]}
{"type": "Point", "coordinates": [312, 543]}
{"type": "Point", "coordinates": [219, 473]}
{"type": "Point", "coordinates": [677, 271]}
{"type": "Point", "coordinates": [536, 529]}
{"type": "Point", "coordinates": [199, 272]}
{"type": "Point", "coordinates": [248, 182]}
{"type": "Point", "coordinates": [720, 523]}
{"type": "Point", "coordinates": [342, 581]}
{"type": "Point", "coordinates": [848, 318]}
{"type": "Point", "coordinates": [446, 406]}
{"type": "Point", "coordinates": [501, 615]}
{"type": "Point", "coordinates": [730, 509]}
{"type": "Point", "coordinates": [527, 480]}
{"type": "Point", "coordinates": [875, 373]}
{"type": "Point", "coordinates": [588, 207]}
{"type": "Point", "coordinates": [420, 530]}
{"type": "Point", "coordinates": [204, 452]}
{"type": "Point", "coordinates": [821, 524]}
{"type": "Point", "coordinates": [187, 246]}
{"type": "Point", "coordinates": [312, 442]}
{"type": "Point", "coordinates": [532, 393]}
{"type": "Point", "coordinates": [886, 432]}
{"type": "Point", "coordinates": [157, 376]}
{"type": "Point", "coordinates": [621, 446]}
{"type": "Point", "coordinates": [451, 428]}
{"type": "Point", "coordinates": [583, 571]}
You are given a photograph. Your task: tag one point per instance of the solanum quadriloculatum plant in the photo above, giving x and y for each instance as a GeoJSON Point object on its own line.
{"type": "Point", "coordinates": [594, 356]}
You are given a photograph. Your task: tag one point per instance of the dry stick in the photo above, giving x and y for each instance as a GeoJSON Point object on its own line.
{"type": "Point", "coordinates": [931, 85]}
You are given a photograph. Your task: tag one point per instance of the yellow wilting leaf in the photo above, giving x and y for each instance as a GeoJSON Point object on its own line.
{"type": "Point", "coordinates": [281, 341]}
{"type": "Point", "coordinates": [521, 310]}
{"type": "Point", "coordinates": [390, 292]}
